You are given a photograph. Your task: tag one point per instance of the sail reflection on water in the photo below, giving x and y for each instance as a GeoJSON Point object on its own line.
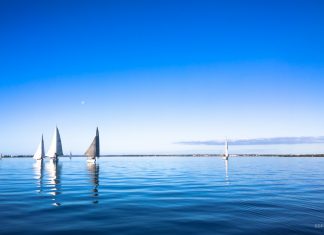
{"type": "Point", "coordinates": [226, 169]}
{"type": "Point", "coordinates": [54, 180]}
{"type": "Point", "coordinates": [93, 169]}
{"type": "Point", "coordinates": [227, 179]}
{"type": "Point", "coordinates": [39, 172]}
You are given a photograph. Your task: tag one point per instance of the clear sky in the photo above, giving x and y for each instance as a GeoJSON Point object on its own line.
{"type": "Point", "coordinates": [156, 74]}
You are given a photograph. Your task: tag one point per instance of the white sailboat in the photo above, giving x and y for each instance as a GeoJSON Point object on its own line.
{"type": "Point", "coordinates": [55, 149]}
{"type": "Point", "coordinates": [94, 149]}
{"type": "Point", "coordinates": [40, 152]}
{"type": "Point", "coordinates": [226, 155]}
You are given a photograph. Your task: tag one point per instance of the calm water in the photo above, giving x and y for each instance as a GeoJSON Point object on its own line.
{"type": "Point", "coordinates": [166, 195]}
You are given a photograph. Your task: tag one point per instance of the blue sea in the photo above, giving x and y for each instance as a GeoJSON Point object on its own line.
{"type": "Point", "coordinates": [162, 195]}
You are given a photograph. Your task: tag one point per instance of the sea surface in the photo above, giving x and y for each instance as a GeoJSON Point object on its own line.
{"type": "Point", "coordinates": [162, 195]}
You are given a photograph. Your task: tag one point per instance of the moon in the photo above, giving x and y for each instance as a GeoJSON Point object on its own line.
{"type": "Point", "coordinates": [83, 102]}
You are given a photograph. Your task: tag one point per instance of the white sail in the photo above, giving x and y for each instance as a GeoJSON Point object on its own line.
{"type": "Point", "coordinates": [94, 149]}
{"type": "Point", "coordinates": [226, 149]}
{"type": "Point", "coordinates": [40, 152]}
{"type": "Point", "coordinates": [226, 155]}
{"type": "Point", "coordinates": [55, 149]}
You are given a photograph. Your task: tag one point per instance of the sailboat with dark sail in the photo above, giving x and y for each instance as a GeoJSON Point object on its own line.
{"type": "Point", "coordinates": [55, 149]}
{"type": "Point", "coordinates": [93, 151]}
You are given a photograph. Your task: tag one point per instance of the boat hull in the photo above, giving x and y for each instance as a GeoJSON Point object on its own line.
{"type": "Point", "coordinates": [91, 160]}
{"type": "Point", "coordinates": [38, 159]}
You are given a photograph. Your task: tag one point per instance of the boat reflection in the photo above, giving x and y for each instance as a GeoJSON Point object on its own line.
{"type": "Point", "coordinates": [39, 172]}
{"type": "Point", "coordinates": [226, 168]}
{"type": "Point", "coordinates": [93, 169]}
{"type": "Point", "coordinates": [54, 176]}
{"type": "Point", "coordinates": [226, 172]}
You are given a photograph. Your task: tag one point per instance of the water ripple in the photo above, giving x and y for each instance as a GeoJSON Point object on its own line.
{"type": "Point", "coordinates": [163, 196]}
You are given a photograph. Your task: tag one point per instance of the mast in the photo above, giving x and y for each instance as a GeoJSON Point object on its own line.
{"type": "Point", "coordinates": [55, 149]}
{"type": "Point", "coordinates": [40, 152]}
{"type": "Point", "coordinates": [94, 149]}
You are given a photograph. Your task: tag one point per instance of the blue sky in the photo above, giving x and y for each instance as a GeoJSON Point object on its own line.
{"type": "Point", "coordinates": [152, 74]}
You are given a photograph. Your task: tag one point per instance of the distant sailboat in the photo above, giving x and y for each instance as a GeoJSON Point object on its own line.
{"type": "Point", "coordinates": [94, 149]}
{"type": "Point", "coordinates": [40, 152]}
{"type": "Point", "coordinates": [55, 149]}
{"type": "Point", "coordinates": [226, 155]}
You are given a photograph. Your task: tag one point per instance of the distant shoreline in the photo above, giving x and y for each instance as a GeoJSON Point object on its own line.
{"type": "Point", "coordinates": [182, 155]}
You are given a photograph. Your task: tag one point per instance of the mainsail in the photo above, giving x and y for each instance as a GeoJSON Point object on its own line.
{"type": "Point", "coordinates": [55, 149]}
{"type": "Point", "coordinates": [94, 149]}
{"type": "Point", "coordinates": [40, 152]}
{"type": "Point", "coordinates": [226, 155]}
{"type": "Point", "coordinates": [226, 149]}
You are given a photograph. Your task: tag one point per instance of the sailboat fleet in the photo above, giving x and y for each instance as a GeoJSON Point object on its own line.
{"type": "Point", "coordinates": [92, 153]}
{"type": "Point", "coordinates": [56, 149]}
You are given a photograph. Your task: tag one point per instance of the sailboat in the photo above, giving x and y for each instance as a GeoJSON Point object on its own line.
{"type": "Point", "coordinates": [226, 155]}
{"type": "Point", "coordinates": [40, 152]}
{"type": "Point", "coordinates": [55, 149]}
{"type": "Point", "coordinates": [94, 149]}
